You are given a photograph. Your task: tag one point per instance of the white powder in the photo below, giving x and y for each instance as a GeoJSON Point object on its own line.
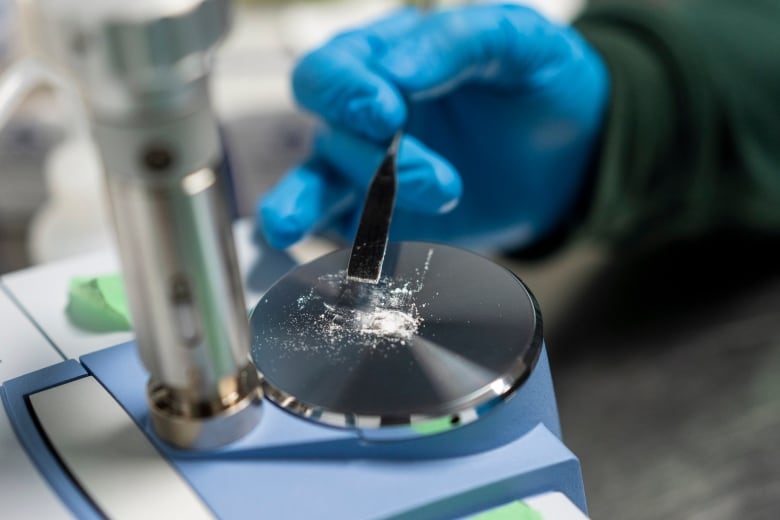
{"type": "Point", "coordinates": [365, 313]}
{"type": "Point", "coordinates": [336, 314]}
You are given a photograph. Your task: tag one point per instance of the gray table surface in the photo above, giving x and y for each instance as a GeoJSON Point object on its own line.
{"type": "Point", "coordinates": [667, 371]}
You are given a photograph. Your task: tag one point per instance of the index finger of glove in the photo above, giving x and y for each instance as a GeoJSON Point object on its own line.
{"type": "Point", "coordinates": [337, 82]}
{"type": "Point", "coordinates": [501, 45]}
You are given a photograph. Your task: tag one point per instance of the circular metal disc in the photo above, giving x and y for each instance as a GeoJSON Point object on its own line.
{"type": "Point", "coordinates": [445, 334]}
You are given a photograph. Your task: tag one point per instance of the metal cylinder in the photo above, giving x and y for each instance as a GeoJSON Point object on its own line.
{"type": "Point", "coordinates": [166, 187]}
{"type": "Point", "coordinates": [142, 68]}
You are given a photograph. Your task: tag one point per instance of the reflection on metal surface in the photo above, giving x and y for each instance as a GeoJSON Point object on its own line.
{"type": "Point", "coordinates": [198, 181]}
{"type": "Point", "coordinates": [184, 419]}
{"type": "Point", "coordinates": [445, 336]}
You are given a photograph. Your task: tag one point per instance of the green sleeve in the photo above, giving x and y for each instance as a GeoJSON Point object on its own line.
{"type": "Point", "coordinates": [692, 141]}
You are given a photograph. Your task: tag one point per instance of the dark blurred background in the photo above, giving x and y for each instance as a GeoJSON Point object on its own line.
{"type": "Point", "coordinates": [666, 367]}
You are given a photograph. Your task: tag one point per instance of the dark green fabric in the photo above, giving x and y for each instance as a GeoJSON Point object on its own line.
{"type": "Point", "coordinates": [692, 141]}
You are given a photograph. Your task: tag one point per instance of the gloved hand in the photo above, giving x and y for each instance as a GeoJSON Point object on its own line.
{"type": "Point", "coordinates": [500, 107]}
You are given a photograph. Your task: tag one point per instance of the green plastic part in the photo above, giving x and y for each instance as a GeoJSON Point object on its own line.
{"type": "Point", "coordinates": [98, 304]}
{"type": "Point", "coordinates": [433, 426]}
{"type": "Point", "coordinates": [516, 510]}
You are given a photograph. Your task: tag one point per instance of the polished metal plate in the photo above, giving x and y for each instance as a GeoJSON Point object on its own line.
{"type": "Point", "coordinates": [445, 335]}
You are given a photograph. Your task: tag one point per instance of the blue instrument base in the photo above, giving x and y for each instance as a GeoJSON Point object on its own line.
{"type": "Point", "coordinates": [292, 468]}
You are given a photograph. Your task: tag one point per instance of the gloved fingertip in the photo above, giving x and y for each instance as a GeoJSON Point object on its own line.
{"type": "Point", "coordinates": [450, 185]}
{"type": "Point", "coordinates": [283, 213]}
{"type": "Point", "coordinates": [280, 230]}
{"type": "Point", "coordinates": [354, 157]}
{"type": "Point", "coordinates": [428, 182]}
{"type": "Point", "coordinates": [379, 116]}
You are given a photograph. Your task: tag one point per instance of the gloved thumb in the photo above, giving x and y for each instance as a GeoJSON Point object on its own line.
{"type": "Point", "coordinates": [507, 45]}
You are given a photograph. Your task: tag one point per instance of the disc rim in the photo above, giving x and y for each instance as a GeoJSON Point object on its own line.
{"type": "Point", "coordinates": [401, 426]}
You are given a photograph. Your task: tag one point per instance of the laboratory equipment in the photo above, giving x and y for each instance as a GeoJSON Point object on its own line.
{"type": "Point", "coordinates": [442, 340]}
{"type": "Point", "coordinates": [425, 395]}
{"type": "Point", "coordinates": [432, 342]}
{"type": "Point", "coordinates": [142, 68]}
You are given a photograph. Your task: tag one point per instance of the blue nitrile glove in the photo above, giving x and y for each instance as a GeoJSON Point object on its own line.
{"type": "Point", "coordinates": [501, 109]}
